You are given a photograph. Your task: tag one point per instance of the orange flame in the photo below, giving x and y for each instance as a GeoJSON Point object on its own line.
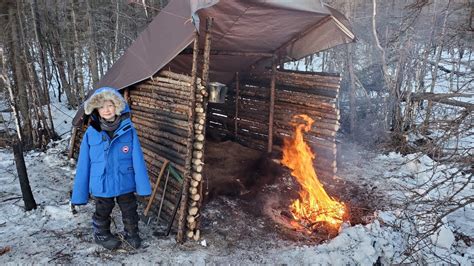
{"type": "Point", "coordinates": [314, 204]}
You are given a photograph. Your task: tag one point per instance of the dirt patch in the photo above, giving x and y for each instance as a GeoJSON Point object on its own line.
{"type": "Point", "coordinates": [249, 194]}
{"type": "Point", "coordinates": [234, 170]}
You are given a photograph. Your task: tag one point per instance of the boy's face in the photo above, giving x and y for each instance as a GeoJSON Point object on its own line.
{"type": "Point", "coordinates": [107, 111]}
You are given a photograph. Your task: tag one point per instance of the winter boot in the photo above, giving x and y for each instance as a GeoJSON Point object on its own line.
{"type": "Point", "coordinates": [131, 235]}
{"type": "Point", "coordinates": [103, 236]}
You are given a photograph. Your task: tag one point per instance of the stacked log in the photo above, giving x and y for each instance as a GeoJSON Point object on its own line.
{"type": "Point", "coordinates": [314, 94]}
{"type": "Point", "coordinates": [197, 155]}
{"type": "Point", "coordinates": [161, 112]}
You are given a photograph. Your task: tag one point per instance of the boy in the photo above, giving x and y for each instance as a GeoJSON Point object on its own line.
{"type": "Point", "coordinates": [111, 167]}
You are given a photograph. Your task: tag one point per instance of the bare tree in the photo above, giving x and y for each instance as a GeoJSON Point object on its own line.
{"type": "Point", "coordinates": [17, 144]}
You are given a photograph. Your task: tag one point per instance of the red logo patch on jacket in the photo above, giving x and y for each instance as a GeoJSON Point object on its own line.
{"type": "Point", "coordinates": [125, 149]}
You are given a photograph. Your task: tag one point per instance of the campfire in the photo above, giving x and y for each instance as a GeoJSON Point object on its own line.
{"type": "Point", "coordinates": [314, 210]}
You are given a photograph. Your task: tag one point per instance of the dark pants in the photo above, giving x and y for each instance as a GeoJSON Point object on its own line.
{"type": "Point", "coordinates": [128, 207]}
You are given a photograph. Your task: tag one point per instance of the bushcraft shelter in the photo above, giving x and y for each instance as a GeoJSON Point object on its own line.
{"type": "Point", "coordinates": [165, 76]}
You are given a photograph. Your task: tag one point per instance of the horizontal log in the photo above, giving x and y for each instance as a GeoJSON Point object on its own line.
{"type": "Point", "coordinates": [156, 112]}
{"type": "Point", "coordinates": [162, 120]}
{"type": "Point", "coordinates": [282, 92]}
{"type": "Point", "coordinates": [176, 76]}
{"type": "Point", "coordinates": [160, 149]}
{"type": "Point", "coordinates": [316, 131]}
{"type": "Point", "coordinates": [332, 125]}
{"type": "Point", "coordinates": [143, 121]}
{"type": "Point", "coordinates": [290, 110]}
{"type": "Point", "coordinates": [176, 87]}
{"type": "Point", "coordinates": [173, 107]}
{"type": "Point", "coordinates": [295, 74]}
{"type": "Point", "coordinates": [300, 77]}
{"type": "Point", "coordinates": [158, 79]}
{"type": "Point", "coordinates": [163, 90]}
{"type": "Point", "coordinates": [163, 111]}
{"type": "Point", "coordinates": [335, 77]}
{"type": "Point", "coordinates": [156, 134]}
{"type": "Point", "coordinates": [165, 142]}
{"type": "Point", "coordinates": [316, 89]}
{"type": "Point", "coordinates": [158, 160]}
{"type": "Point", "coordinates": [160, 95]}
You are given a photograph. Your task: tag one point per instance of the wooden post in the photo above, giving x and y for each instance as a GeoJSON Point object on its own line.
{"type": "Point", "coordinates": [237, 90]}
{"type": "Point", "coordinates": [126, 95]}
{"type": "Point", "coordinates": [207, 52]}
{"type": "Point", "coordinates": [272, 105]}
{"type": "Point", "coordinates": [71, 143]}
{"type": "Point", "coordinates": [17, 144]}
{"type": "Point", "coordinates": [193, 228]}
{"type": "Point", "coordinates": [187, 176]}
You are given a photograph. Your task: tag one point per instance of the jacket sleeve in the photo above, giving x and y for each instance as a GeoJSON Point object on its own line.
{"type": "Point", "coordinates": [80, 191]}
{"type": "Point", "coordinates": [142, 181]}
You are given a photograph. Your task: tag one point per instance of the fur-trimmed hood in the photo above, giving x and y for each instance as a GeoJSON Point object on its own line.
{"type": "Point", "coordinates": [103, 94]}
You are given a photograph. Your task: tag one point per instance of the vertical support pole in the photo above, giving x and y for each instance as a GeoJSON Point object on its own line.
{"type": "Point", "coordinates": [205, 82]}
{"type": "Point", "coordinates": [207, 53]}
{"type": "Point", "coordinates": [187, 176]}
{"type": "Point", "coordinates": [237, 91]}
{"type": "Point", "coordinates": [272, 104]}
{"type": "Point", "coordinates": [126, 95]}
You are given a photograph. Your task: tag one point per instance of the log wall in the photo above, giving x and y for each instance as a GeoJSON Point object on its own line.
{"type": "Point", "coordinates": [162, 115]}
{"type": "Point", "coordinates": [296, 93]}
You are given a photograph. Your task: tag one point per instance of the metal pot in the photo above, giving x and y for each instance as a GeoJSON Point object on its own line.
{"type": "Point", "coordinates": [217, 92]}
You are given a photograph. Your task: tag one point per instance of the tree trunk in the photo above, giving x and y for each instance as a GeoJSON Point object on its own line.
{"type": "Point", "coordinates": [17, 145]}
{"type": "Point", "coordinates": [434, 71]}
{"type": "Point", "coordinates": [19, 77]}
{"type": "Point", "coordinates": [92, 46]}
{"type": "Point", "coordinates": [28, 198]}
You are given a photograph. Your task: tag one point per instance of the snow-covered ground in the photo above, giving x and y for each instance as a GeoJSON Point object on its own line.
{"type": "Point", "coordinates": [52, 234]}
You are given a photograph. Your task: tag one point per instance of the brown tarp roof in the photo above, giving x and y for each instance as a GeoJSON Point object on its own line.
{"type": "Point", "coordinates": [292, 29]}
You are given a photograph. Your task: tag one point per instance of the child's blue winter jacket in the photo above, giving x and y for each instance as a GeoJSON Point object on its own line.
{"type": "Point", "coordinates": [110, 167]}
